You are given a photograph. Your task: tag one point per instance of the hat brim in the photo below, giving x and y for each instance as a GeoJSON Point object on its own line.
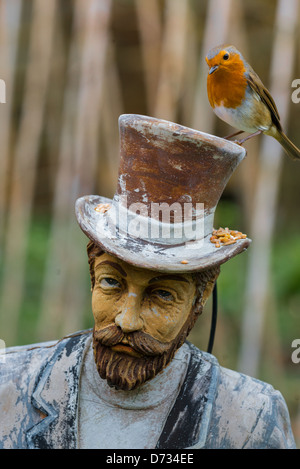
{"type": "Point", "coordinates": [187, 257]}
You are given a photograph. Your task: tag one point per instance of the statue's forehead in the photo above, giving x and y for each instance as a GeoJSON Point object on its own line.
{"type": "Point", "coordinates": [130, 271]}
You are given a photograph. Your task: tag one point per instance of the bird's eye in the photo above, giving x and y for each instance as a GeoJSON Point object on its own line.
{"type": "Point", "coordinates": [226, 56]}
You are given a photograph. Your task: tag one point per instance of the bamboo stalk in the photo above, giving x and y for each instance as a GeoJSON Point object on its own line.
{"type": "Point", "coordinates": [54, 277]}
{"type": "Point", "coordinates": [172, 59]}
{"type": "Point", "coordinates": [111, 110]}
{"type": "Point", "coordinates": [190, 70]}
{"type": "Point", "coordinates": [64, 295]}
{"type": "Point", "coordinates": [25, 159]}
{"type": "Point", "coordinates": [10, 13]}
{"type": "Point", "coordinates": [265, 203]}
{"type": "Point", "coordinates": [150, 27]}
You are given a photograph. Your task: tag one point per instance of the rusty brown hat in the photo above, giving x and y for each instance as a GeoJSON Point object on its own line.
{"type": "Point", "coordinates": [170, 181]}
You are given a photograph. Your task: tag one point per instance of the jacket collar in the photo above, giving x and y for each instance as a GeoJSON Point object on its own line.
{"type": "Point", "coordinates": [188, 423]}
{"type": "Point", "coordinates": [55, 395]}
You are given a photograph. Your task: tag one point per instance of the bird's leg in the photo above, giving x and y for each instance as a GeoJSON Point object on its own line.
{"type": "Point", "coordinates": [234, 134]}
{"type": "Point", "coordinates": [240, 142]}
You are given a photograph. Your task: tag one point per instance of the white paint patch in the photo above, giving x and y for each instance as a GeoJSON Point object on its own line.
{"type": "Point", "coordinates": [154, 310]}
{"type": "Point", "coordinates": [122, 182]}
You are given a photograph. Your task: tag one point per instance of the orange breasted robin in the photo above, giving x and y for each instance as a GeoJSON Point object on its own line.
{"type": "Point", "coordinates": [238, 96]}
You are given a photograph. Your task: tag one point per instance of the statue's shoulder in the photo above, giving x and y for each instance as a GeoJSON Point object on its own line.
{"type": "Point", "coordinates": [35, 382]}
{"type": "Point", "coordinates": [25, 359]}
{"type": "Point", "coordinates": [245, 412]}
{"type": "Point", "coordinates": [230, 381]}
{"type": "Point", "coordinates": [250, 413]}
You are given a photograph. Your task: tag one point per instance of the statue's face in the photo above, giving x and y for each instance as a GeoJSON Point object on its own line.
{"type": "Point", "coordinates": [140, 300]}
{"type": "Point", "coordinates": [141, 318]}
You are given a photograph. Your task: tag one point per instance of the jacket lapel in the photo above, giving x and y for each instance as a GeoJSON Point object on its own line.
{"type": "Point", "coordinates": [188, 422]}
{"type": "Point", "coordinates": [55, 395]}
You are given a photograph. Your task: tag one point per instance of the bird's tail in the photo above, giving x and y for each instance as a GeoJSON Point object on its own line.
{"type": "Point", "coordinates": [288, 146]}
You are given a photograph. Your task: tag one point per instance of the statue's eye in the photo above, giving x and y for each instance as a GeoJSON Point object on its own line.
{"type": "Point", "coordinates": [226, 56]}
{"type": "Point", "coordinates": [109, 282]}
{"type": "Point", "coordinates": [164, 295]}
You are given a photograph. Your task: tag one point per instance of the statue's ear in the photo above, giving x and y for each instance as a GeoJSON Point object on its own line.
{"type": "Point", "coordinates": [209, 288]}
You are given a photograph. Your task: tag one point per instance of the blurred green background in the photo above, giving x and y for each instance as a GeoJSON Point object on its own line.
{"type": "Point", "coordinates": [71, 68]}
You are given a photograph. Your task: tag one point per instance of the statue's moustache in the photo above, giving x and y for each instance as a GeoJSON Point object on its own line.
{"type": "Point", "coordinates": [139, 341]}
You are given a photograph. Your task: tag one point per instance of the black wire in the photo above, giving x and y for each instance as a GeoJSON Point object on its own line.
{"type": "Point", "coordinates": [213, 320]}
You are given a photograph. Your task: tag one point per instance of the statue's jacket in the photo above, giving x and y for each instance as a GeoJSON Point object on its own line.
{"type": "Point", "coordinates": [215, 408]}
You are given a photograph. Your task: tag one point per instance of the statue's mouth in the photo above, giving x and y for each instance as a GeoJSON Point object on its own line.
{"type": "Point", "coordinates": [122, 348]}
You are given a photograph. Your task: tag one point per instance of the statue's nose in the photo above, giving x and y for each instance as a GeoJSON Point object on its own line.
{"type": "Point", "coordinates": [129, 319]}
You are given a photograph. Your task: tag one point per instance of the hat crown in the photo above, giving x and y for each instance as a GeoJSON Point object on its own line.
{"type": "Point", "coordinates": [165, 163]}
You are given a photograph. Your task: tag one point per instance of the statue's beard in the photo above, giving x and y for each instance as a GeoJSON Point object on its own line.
{"type": "Point", "coordinates": [126, 372]}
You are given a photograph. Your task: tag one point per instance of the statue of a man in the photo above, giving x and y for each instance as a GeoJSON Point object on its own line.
{"type": "Point", "coordinates": [134, 381]}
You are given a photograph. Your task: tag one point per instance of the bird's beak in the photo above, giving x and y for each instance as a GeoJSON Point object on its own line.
{"type": "Point", "coordinates": [213, 69]}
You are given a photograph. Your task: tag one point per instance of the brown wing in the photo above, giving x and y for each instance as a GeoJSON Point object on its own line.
{"type": "Point", "coordinates": [259, 88]}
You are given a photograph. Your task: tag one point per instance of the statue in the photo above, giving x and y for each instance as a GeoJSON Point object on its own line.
{"type": "Point", "coordinates": [134, 381]}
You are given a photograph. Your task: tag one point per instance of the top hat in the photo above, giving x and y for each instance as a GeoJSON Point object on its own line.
{"type": "Point", "coordinates": [170, 181]}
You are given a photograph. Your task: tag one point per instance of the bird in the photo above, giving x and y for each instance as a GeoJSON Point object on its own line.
{"type": "Point", "coordinates": [238, 97]}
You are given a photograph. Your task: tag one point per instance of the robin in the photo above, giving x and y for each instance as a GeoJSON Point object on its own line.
{"type": "Point", "coordinates": [238, 96]}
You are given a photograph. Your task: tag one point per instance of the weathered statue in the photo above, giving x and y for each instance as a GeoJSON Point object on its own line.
{"type": "Point", "coordinates": [154, 256]}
